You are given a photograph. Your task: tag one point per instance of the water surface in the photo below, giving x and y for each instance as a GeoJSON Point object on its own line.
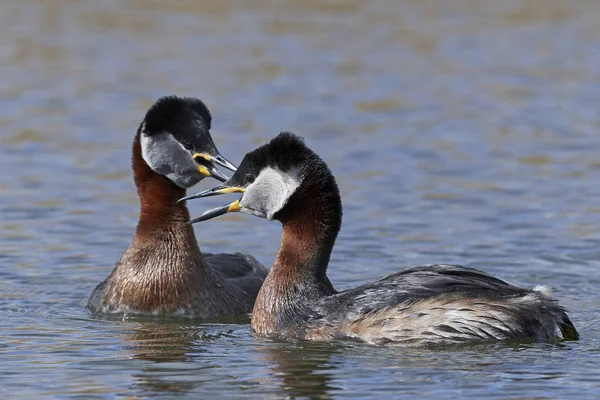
{"type": "Point", "coordinates": [459, 131]}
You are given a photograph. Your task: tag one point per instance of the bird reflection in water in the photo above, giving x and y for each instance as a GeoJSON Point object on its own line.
{"type": "Point", "coordinates": [170, 351]}
{"type": "Point", "coordinates": [304, 368]}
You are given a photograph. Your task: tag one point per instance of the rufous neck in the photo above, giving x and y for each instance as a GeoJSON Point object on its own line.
{"type": "Point", "coordinates": [311, 221]}
{"type": "Point", "coordinates": [310, 227]}
{"type": "Point", "coordinates": [304, 252]}
{"type": "Point", "coordinates": [158, 197]}
{"type": "Point", "coordinates": [296, 279]}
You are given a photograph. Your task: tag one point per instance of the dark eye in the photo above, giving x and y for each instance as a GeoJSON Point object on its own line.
{"type": "Point", "coordinates": [249, 179]}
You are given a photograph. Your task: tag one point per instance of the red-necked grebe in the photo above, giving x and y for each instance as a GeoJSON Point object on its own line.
{"type": "Point", "coordinates": [163, 271]}
{"type": "Point", "coordinates": [426, 305]}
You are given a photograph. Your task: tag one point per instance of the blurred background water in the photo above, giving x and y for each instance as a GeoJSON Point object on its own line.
{"type": "Point", "coordinates": [459, 131]}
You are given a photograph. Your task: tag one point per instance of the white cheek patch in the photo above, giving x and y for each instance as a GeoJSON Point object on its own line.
{"type": "Point", "coordinates": [270, 191]}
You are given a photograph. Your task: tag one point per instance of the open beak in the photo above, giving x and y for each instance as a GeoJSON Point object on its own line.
{"type": "Point", "coordinates": [217, 159]}
{"type": "Point", "coordinates": [206, 165]}
{"type": "Point", "coordinates": [215, 212]}
{"type": "Point", "coordinates": [222, 161]}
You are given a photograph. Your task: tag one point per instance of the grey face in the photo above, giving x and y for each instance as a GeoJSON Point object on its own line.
{"type": "Point", "coordinates": [166, 156]}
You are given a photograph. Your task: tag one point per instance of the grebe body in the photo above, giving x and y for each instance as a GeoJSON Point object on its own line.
{"type": "Point", "coordinates": [426, 305]}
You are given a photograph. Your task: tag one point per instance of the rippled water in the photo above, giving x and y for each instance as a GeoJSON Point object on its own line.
{"type": "Point", "coordinates": [459, 131]}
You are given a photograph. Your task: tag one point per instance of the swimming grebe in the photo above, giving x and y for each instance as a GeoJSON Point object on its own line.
{"type": "Point", "coordinates": [163, 271]}
{"type": "Point", "coordinates": [430, 304]}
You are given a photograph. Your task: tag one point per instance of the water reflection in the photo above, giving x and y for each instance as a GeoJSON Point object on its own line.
{"type": "Point", "coordinates": [168, 347]}
{"type": "Point", "coordinates": [160, 342]}
{"type": "Point", "coordinates": [304, 368]}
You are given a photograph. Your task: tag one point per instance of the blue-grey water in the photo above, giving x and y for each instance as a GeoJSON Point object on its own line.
{"type": "Point", "coordinates": [459, 131]}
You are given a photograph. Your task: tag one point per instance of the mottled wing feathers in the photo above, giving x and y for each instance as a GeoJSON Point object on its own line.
{"type": "Point", "coordinates": [422, 282]}
{"type": "Point", "coordinates": [441, 304]}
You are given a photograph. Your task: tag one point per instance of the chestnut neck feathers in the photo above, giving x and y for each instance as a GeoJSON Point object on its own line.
{"type": "Point", "coordinates": [162, 219]}
{"type": "Point", "coordinates": [311, 220]}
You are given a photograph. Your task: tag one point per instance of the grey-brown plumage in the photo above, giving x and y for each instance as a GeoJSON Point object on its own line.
{"type": "Point", "coordinates": [436, 304]}
{"type": "Point", "coordinates": [163, 271]}
{"type": "Point", "coordinates": [168, 277]}
{"type": "Point", "coordinates": [427, 305]}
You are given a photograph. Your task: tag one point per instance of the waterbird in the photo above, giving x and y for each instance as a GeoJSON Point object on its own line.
{"type": "Point", "coordinates": [163, 272]}
{"type": "Point", "coordinates": [427, 305]}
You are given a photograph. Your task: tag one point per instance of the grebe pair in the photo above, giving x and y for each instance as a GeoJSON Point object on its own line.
{"type": "Point", "coordinates": [426, 305]}
{"type": "Point", "coordinates": [163, 271]}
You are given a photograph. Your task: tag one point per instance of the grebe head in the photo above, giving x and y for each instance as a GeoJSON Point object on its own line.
{"type": "Point", "coordinates": [278, 180]}
{"type": "Point", "coordinates": [175, 141]}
